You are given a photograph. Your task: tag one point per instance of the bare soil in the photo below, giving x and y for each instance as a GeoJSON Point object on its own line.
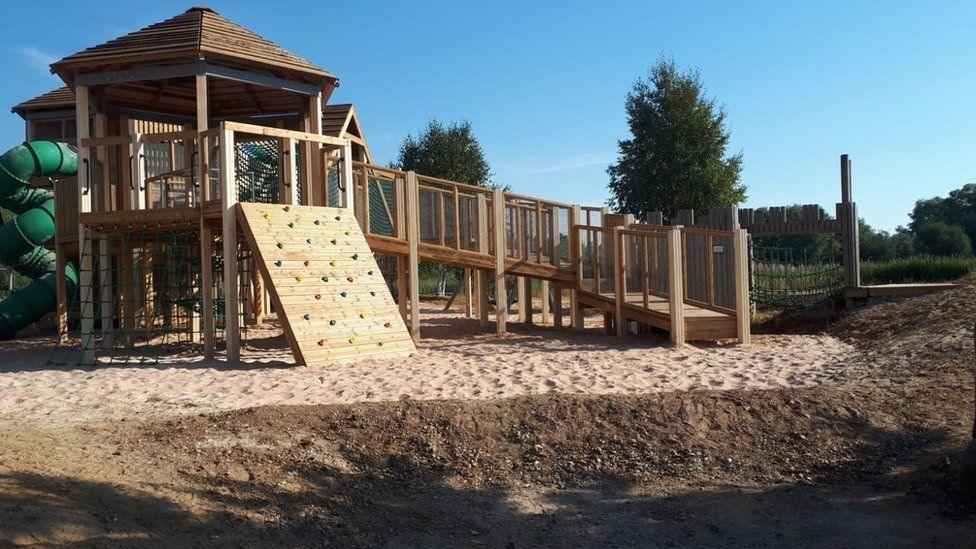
{"type": "Point", "coordinates": [874, 460]}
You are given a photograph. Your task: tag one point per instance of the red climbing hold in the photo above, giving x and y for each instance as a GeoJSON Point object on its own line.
{"type": "Point", "coordinates": [318, 296]}
{"type": "Point", "coordinates": [287, 208]}
{"type": "Point", "coordinates": [387, 325]}
{"type": "Point", "coordinates": [349, 278]}
{"type": "Point", "coordinates": [306, 263]}
{"type": "Point", "coordinates": [321, 342]}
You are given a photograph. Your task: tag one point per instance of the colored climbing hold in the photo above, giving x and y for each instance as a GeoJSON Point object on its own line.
{"type": "Point", "coordinates": [332, 263]}
{"type": "Point", "coordinates": [267, 216]}
{"type": "Point", "coordinates": [317, 222]}
{"type": "Point", "coordinates": [325, 279]}
{"type": "Point", "coordinates": [308, 240]}
{"type": "Point", "coordinates": [318, 296]}
{"type": "Point", "coordinates": [372, 294]}
{"type": "Point", "coordinates": [355, 256]}
{"type": "Point", "coordinates": [332, 323]}
{"type": "Point", "coordinates": [379, 343]}
{"type": "Point", "coordinates": [370, 273]}
{"type": "Point", "coordinates": [306, 263]}
{"type": "Point", "coordinates": [291, 225]}
{"type": "Point", "coordinates": [308, 316]}
{"type": "Point", "coordinates": [349, 278]}
{"type": "Point", "coordinates": [348, 233]}
{"type": "Point", "coordinates": [298, 278]}
{"type": "Point", "coordinates": [352, 340]}
{"type": "Point", "coordinates": [343, 294]}
{"type": "Point", "coordinates": [286, 208]}
{"type": "Point", "coordinates": [338, 218]}
{"type": "Point", "coordinates": [278, 263]}
{"type": "Point", "coordinates": [362, 315]}
{"type": "Point", "coordinates": [280, 246]}
{"type": "Point", "coordinates": [321, 342]}
{"type": "Point", "coordinates": [387, 325]}
{"type": "Point", "coordinates": [334, 241]}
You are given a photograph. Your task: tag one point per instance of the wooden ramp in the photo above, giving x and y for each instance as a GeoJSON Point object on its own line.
{"type": "Point", "coordinates": [330, 295]}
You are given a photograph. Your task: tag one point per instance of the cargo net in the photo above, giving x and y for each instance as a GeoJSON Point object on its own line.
{"type": "Point", "coordinates": [140, 302]}
{"type": "Point", "coordinates": [257, 171]}
{"type": "Point", "coordinates": [795, 278]}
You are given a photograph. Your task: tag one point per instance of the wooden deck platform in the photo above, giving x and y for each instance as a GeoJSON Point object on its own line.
{"type": "Point", "coordinates": [701, 324]}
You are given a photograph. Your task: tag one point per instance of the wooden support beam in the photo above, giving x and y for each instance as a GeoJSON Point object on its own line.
{"type": "Point", "coordinates": [466, 290]}
{"type": "Point", "coordinates": [676, 300]}
{"type": "Point", "coordinates": [557, 305]}
{"type": "Point", "coordinates": [288, 190]}
{"type": "Point", "coordinates": [61, 263]}
{"type": "Point", "coordinates": [544, 296]}
{"type": "Point", "coordinates": [481, 209]}
{"type": "Point", "coordinates": [575, 218]}
{"type": "Point", "coordinates": [501, 292]}
{"type": "Point", "coordinates": [206, 235]}
{"type": "Point", "coordinates": [228, 197]}
{"type": "Point", "coordinates": [742, 305]}
{"type": "Point", "coordinates": [413, 267]}
{"type": "Point", "coordinates": [347, 178]}
{"type": "Point", "coordinates": [86, 324]}
{"type": "Point", "coordinates": [619, 282]}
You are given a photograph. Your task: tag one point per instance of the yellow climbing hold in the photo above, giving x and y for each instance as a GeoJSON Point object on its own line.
{"type": "Point", "coordinates": [298, 278]}
{"type": "Point", "coordinates": [267, 216]}
{"type": "Point", "coordinates": [332, 263]}
{"type": "Point", "coordinates": [352, 340]}
{"type": "Point", "coordinates": [362, 315]}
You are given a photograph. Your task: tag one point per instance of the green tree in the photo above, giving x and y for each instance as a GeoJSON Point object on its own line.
{"type": "Point", "coordinates": [959, 208]}
{"type": "Point", "coordinates": [903, 242]}
{"type": "Point", "coordinates": [938, 238]}
{"type": "Point", "coordinates": [676, 156]}
{"type": "Point", "coordinates": [448, 152]}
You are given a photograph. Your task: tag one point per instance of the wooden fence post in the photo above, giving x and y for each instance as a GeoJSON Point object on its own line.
{"type": "Point", "coordinates": [501, 292]}
{"type": "Point", "coordinates": [676, 298]}
{"type": "Point", "coordinates": [742, 308]}
{"type": "Point", "coordinates": [482, 275]}
{"type": "Point", "coordinates": [413, 266]}
{"type": "Point", "coordinates": [619, 282]}
{"type": "Point", "coordinates": [228, 196]}
{"type": "Point", "coordinates": [850, 231]}
{"type": "Point", "coordinates": [575, 313]}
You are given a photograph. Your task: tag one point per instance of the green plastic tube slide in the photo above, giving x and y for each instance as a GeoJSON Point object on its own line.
{"type": "Point", "coordinates": [22, 239]}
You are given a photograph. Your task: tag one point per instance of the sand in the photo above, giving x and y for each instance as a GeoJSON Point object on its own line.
{"type": "Point", "coordinates": [456, 360]}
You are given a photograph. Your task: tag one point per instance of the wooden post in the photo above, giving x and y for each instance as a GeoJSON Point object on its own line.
{"type": "Point", "coordinates": [401, 233]}
{"type": "Point", "coordinates": [228, 196]}
{"type": "Point", "coordinates": [557, 305]}
{"type": "Point", "coordinates": [575, 218]}
{"type": "Point", "coordinates": [206, 235]}
{"type": "Point", "coordinates": [288, 190]}
{"type": "Point", "coordinates": [501, 292]}
{"type": "Point", "coordinates": [348, 181]}
{"type": "Point", "coordinates": [676, 299]}
{"type": "Point", "coordinates": [544, 295]}
{"type": "Point", "coordinates": [619, 283]}
{"type": "Point", "coordinates": [413, 268]}
{"type": "Point", "coordinates": [466, 289]}
{"type": "Point", "coordinates": [850, 235]}
{"type": "Point", "coordinates": [87, 324]}
{"type": "Point", "coordinates": [61, 264]}
{"type": "Point", "coordinates": [742, 307]}
{"type": "Point", "coordinates": [482, 280]}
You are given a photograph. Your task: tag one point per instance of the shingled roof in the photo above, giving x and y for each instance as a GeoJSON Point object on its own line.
{"type": "Point", "coordinates": [198, 33]}
{"type": "Point", "coordinates": [61, 98]}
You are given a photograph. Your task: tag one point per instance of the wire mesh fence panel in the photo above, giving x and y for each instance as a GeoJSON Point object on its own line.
{"type": "Point", "coordinates": [795, 277]}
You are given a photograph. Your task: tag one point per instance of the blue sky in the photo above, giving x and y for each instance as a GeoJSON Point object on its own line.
{"type": "Point", "coordinates": [544, 83]}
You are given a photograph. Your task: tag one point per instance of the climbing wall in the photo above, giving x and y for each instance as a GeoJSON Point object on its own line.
{"type": "Point", "coordinates": [331, 298]}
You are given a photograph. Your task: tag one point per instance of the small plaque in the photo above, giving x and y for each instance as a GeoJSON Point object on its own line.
{"type": "Point", "coordinates": [718, 249]}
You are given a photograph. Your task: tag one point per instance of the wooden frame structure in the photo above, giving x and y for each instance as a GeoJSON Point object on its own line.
{"type": "Point", "coordinates": [173, 140]}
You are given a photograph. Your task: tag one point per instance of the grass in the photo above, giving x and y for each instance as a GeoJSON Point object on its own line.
{"type": "Point", "coordinates": [917, 269]}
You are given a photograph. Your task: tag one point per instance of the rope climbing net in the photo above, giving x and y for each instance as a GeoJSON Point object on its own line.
{"type": "Point", "coordinates": [795, 278]}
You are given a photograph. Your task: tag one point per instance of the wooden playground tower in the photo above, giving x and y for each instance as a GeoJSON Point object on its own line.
{"type": "Point", "coordinates": [198, 139]}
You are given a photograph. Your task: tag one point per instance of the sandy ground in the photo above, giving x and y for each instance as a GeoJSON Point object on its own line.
{"type": "Point", "coordinates": [457, 359]}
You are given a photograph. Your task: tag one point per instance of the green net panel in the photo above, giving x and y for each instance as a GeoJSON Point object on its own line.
{"type": "Point", "coordinates": [795, 278]}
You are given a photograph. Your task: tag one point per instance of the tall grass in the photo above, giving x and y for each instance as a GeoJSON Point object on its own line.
{"type": "Point", "coordinates": [917, 269]}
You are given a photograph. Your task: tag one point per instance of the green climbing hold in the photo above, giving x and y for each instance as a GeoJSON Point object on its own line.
{"type": "Point", "coordinates": [355, 256]}
{"type": "Point", "coordinates": [325, 279]}
{"type": "Point", "coordinates": [370, 273]}
{"type": "Point", "coordinates": [338, 218]}
{"type": "Point", "coordinates": [280, 245]}
{"type": "Point", "coordinates": [332, 323]}
{"type": "Point", "coordinates": [291, 225]}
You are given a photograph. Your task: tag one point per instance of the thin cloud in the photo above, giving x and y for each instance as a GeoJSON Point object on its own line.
{"type": "Point", "coordinates": [573, 163]}
{"type": "Point", "coordinates": [38, 60]}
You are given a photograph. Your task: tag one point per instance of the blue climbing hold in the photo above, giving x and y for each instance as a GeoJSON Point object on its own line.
{"type": "Point", "coordinates": [309, 240]}
{"type": "Point", "coordinates": [308, 316]}
{"type": "Point", "coordinates": [278, 263]}
{"type": "Point", "coordinates": [317, 222]}
{"type": "Point", "coordinates": [372, 294]}
{"type": "Point", "coordinates": [343, 294]}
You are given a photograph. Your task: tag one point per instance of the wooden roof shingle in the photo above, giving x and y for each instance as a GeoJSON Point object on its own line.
{"type": "Point", "coordinates": [61, 98]}
{"type": "Point", "coordinates": [198, 33]}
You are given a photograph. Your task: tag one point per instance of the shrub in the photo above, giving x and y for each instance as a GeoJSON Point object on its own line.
{"type": "Point", "coordinates": [939, 238]}
{"type": "Point", "coordinates": [917, 269]}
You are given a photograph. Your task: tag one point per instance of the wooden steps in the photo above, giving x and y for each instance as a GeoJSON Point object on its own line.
{"type": "Point", "coordinates": [307, 255]}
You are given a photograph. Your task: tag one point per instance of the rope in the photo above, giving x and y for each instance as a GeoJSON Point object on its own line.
{"type": "Point", "coordinates": [794, 278]}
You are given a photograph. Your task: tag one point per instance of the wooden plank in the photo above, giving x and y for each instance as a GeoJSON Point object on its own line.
{"type": "Point", "coordinates": [481, 210]}
{"type": "Point", "coordinates": [619, 283]}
